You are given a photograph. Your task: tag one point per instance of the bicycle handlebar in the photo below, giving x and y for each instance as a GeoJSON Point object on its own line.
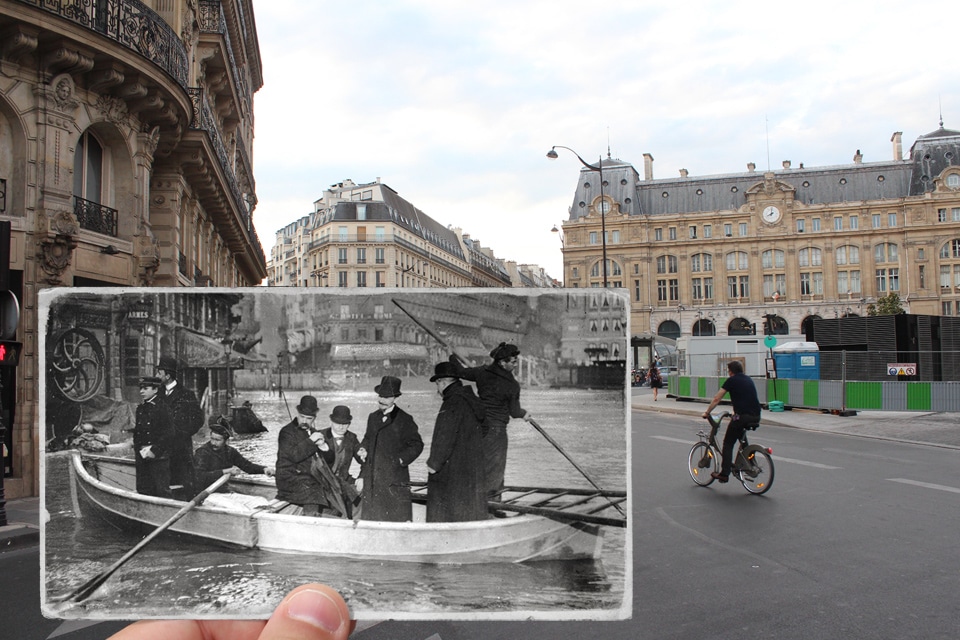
{"type": "Point", "coordinates": [716, 420]}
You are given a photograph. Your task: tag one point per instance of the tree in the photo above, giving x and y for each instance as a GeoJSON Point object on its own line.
{"type": "Point", "coordinates": [888, 305]}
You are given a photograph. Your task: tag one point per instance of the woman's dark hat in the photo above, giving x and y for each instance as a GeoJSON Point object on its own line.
{"type": "Point", "coordinates": [389, 387]}
{"type": "Point", "coordinates": [503, 351]}
{"type": "Point", "coordinates": [150, 381]}
{"type": "Point", "coordinates": [169, 364]}
{"type": "Point", "coordinates": [308, 406]}
{"type": "Point", "coordinates": [341, 415]}
{"type": "Point", "coordinates": [444, 370]}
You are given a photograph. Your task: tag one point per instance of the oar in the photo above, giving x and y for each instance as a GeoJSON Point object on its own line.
{"type": "Point", "coordinates": [567, 456]}
{"type": "Point", "coordinates": [85, 590]}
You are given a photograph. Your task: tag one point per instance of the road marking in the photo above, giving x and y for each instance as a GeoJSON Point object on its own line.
{"type": "Point", "coordinates": [776, 458]}
{"type": "Point", "coordinates": [925, 485]}
{"type": "Point", "coordinates": [805, 463]}
{"type": "Point", "coordinates": [870, 456]}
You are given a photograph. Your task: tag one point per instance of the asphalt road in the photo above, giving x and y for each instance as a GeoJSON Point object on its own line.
{"type": "Point", "coordinates": [857, 538]}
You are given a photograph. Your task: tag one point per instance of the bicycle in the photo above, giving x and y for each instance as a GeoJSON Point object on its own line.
{"type": "Point", "coordinates": [752, 465]}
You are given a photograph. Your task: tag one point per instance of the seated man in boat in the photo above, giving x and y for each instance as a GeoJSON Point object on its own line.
{"type": "Point", "coordinates": [301, 478]}
{"type": "Point", "coordinates": [392, 441]}
{"type": "Point", "coordinates": [153, 436]}
{"type": "Point", "coordinates": [344, 444]}
{"type": "Point", "coordinates": [456, 490]}
{"type": "Point", "coordinates": [215, 457]}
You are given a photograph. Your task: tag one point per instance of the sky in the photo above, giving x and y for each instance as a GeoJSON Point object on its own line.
{"type": "Point", "coordinates": [454, 104]}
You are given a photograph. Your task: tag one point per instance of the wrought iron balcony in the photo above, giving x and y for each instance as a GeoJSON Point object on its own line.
{"type": "Point", "coordinates": [130, 23]}
{"type": "Point", "coordinates": [3, 195]}
{"type": "Point", "coordinates": [95, 217]}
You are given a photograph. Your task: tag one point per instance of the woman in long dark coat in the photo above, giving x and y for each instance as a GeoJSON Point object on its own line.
{"type": "Point", "coordinates": [392, 441]}
{"type": "Point", "coordinates": [456, 490]}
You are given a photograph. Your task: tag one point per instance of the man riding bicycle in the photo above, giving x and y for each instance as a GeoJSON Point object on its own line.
{"type": "Point", "coordinates": [746, 409]}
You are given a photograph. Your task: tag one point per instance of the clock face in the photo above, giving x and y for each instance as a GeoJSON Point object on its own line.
{"type": "Point", "coordinates": [771, 215]}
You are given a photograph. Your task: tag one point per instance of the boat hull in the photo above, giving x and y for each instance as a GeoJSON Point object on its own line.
{"type": "Point", "coordinates": [106, 485]}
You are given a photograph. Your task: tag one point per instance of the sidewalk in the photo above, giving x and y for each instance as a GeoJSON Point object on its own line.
{"type": "Point", "coordinates": [23, 524]}
{"type": "Point", "coordinates": [931, 429]}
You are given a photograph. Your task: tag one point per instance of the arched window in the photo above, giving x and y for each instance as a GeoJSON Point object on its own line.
{"type": "Point", "coordinates": [741, 327]}
{"type": "Point", "coordinates": [885, 252]}
{"type": "Point", "coordinates": [772, 259]}
{"type": "Point", "coordinates": [667, 264]}
{"type": "Point", "coordinates": [613, 269]}
{"type": "Point", "coordinates": [88, 168]}
{"type": "Point", "coordinates": [806, 326]}
{"type": "Point", "coordinates": [701, 262]}
{"type": "Point", "coordinates": [951, 249]}
{"type": "Point", "coordinates": [848, 254]}
{"type": "Point", "coordinates": [737, 260]}
{"type": "Point", "coordinates": [704, 328]}
{"type": "Point", "coordinates": [810, 257]}
{"type": "Point", "coordinates": [669, 329]}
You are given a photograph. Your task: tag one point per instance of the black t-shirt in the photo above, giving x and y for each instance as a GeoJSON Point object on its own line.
{"type": "Point", "coordinates": [743, 395]}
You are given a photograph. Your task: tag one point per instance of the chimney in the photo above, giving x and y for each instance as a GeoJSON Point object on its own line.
{"type": "Point", "coordinates": [897, 141]}
{"type": "Point", "coordinates": [786, 164]}
{"type": "Point", "coordinates": [858, 157]}
{"type": "Point", "coordinates": [751, 166]}
{"type": "Point", "coordinates": [684, 173]}
{"type": "Point", "coordinates": [647, 166]}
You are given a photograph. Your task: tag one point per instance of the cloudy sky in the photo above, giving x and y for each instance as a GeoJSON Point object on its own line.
{"type": "Point", "coordinates": [454, 104]}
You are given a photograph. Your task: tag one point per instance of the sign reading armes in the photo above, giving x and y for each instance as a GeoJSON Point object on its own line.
{"type": "Point", "coordinates": [902, 369]}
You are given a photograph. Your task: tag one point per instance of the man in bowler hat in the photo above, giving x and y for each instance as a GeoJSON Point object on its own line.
{"type": "Point", "coordinates": [215, 457]}
{"type": "Point", "coordinates": [392, 441]}
{"type": "Point", "coordinates": [455, 486]}
{"type": "Point", "coordinates": [187, 417]}
{"type": "Point", "coordinates": [299, 479]}
{"type": "Point", "coordinates": [152, 438]}
{"type": "Point", "coordinates": [344, 445]}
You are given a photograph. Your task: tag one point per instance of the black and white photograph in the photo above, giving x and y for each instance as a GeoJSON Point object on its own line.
{"type": "Point", "coordinates": [431, 455]}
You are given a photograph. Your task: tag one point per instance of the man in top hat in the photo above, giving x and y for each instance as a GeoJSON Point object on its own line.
{"type": "Point", "coordinates": [299, 447]}
{"type": "Point", "coordinates": [499, 394]}
{"type": "Point", "coordinates": [187, 417]}
{"type": "Point", "coordinates": [152, 438]}
{"type": "Point", "coordinates": [392, 441]}
{"type": "Point", "coordinates": [215, 457]}
{"type": "Point", "coordinates": [456, 490]}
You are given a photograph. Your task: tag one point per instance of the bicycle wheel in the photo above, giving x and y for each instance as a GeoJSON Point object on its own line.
{"type": "Point", "coordinates": [701, 462]}
{"type": "Point", "coordinates": [757, 474]}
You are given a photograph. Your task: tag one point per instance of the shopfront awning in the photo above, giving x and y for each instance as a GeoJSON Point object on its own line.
{"type": "Point", "coordinates": [198, 351]}
{"type": "Point", "coordinates": [379, 351]}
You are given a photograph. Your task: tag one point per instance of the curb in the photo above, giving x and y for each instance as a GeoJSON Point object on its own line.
{"type": "Point", "coordinates": [15, 536]}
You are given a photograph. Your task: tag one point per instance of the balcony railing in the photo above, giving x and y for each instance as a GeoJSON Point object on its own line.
{"type": "Point", "coordinates": [3, 196]}
{"type": "Point", "coordinates": [95, 217]}
{"type": "Point", "coordinates": [130, 23]}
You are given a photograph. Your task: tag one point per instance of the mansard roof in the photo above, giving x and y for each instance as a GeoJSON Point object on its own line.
{"type": "Point", "coordinates": [930, 155]}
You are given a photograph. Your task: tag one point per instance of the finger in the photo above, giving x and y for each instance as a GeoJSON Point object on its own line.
{"type": "Point", "coordinates": [191, 630]}
{"type": "Point", "coordinates": [310, 612]}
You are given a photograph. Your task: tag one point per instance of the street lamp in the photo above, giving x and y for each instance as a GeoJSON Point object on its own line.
{"type": "Point", "coordinates": [552, 154]}
{"type": "Point", "coordinates": [557, 230]}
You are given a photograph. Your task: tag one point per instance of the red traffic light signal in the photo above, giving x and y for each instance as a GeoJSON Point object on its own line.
{"type": "Point", "coordinates": [9, 353]}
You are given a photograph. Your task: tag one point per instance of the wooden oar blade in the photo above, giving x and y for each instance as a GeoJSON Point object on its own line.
{"type": "Point", "coordinates": [87, 589]}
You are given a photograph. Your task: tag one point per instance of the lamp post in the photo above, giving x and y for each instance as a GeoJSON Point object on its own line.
{"type": "Point", "coordinates": [552, 154]}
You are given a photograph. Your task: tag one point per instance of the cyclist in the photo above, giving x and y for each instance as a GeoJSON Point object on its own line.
{"type": "Point", "coordinates": [746, 413]}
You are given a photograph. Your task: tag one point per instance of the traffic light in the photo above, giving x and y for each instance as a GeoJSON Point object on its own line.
{"type": "Point", "coordinates": [9, 305]}
{"type": "Point", "coordinates": [9, 353]}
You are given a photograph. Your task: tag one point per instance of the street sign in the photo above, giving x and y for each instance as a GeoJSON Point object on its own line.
{"type": "Point", "coordinates": [902, 369]}
{"type": "Point", "coordinates": [770, 342]}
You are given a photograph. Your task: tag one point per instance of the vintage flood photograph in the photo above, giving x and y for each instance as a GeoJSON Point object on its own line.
{"type": "Point", "coordinates": [458, 454]}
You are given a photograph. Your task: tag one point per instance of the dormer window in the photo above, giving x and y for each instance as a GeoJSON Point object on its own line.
{"type": "Point", "coordinates": [953, 180]}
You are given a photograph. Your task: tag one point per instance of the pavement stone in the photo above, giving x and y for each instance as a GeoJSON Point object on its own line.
{"type": "Point", "coordinates": [925, 428]}
{"type": "Point", "coordinates": [23, 524]}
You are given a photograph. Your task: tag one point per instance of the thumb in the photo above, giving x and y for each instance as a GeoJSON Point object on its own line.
{"type": "Point", "coordinates": [310, 612]}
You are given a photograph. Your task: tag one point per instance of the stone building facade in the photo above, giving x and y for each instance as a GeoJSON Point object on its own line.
{"type": "Point", "coordinates": [126, 133]}
{"type": "Point", "coordinates": [736, 253]}
{"type": "Point", "coordinates": [366, 235]}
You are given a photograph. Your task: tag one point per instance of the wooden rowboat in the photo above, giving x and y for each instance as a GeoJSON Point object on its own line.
{"type": "Point", "coordinates": [107, 485]}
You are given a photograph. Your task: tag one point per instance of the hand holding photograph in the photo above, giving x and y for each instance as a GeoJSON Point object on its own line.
{"type": "Point", "coordinates": [428, 454]}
